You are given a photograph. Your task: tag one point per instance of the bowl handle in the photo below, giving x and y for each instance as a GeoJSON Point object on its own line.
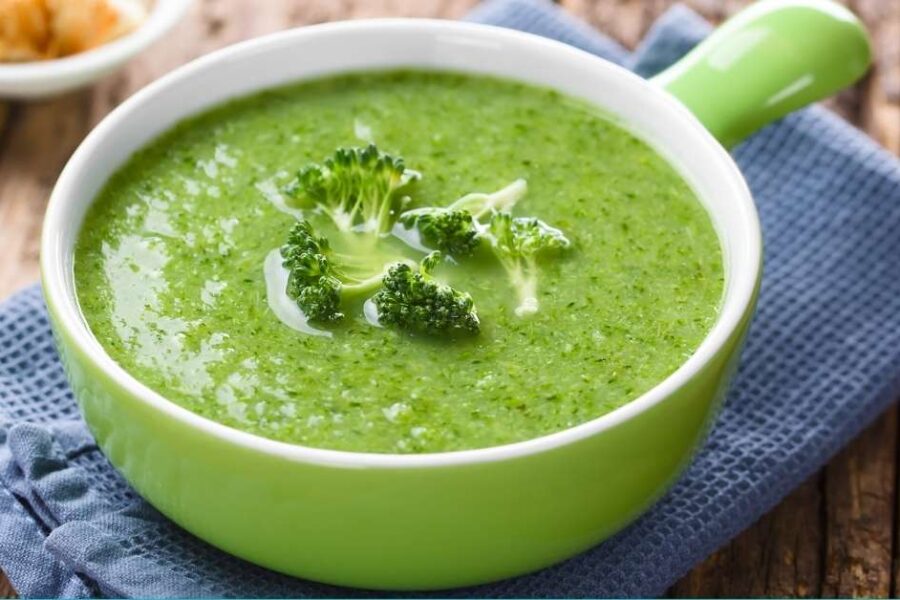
{"type": "Point", "coordinates": [770, 59]}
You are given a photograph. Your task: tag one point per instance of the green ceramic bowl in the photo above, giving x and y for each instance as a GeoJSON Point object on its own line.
{"type": "Point", "coordinates": [459, 518]}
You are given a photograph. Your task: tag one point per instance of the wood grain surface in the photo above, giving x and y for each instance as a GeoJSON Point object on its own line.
{"type": "Point", "coordinates": [836, 535]}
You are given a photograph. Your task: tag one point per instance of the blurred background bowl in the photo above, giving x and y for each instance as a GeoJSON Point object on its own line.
{"type": "Point", "coordinates": [40, 79]}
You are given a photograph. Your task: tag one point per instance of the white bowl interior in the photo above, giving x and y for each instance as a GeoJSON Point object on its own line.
{"type": "Point", "coordinates": [381, 44]}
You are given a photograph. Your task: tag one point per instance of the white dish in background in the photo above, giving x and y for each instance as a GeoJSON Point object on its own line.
{"type": "Point", "coordinates": [40, 79]}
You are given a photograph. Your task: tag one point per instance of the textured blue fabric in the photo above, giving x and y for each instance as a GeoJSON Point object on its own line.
{"type": "Point", "coordinates": [822, 360]}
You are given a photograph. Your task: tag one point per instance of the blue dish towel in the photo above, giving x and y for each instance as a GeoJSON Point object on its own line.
{"type": "Point", "coordinates": [822, 360]}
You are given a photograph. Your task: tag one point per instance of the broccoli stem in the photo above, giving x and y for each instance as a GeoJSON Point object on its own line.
{"type": "Point", "coordinates": [522, 275]}
{"type": "Point", "coordinates": [341, 219]}
{"type": "Point", "coordinates": [362, 287]}
{"type": "Point", "coordinates": [351, 290]}
{"type": "Point", "coordinates": [479, 204]}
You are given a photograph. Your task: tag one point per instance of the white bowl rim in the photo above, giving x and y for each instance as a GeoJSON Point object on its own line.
{"type": "Point", "coordinates": [738, 299]}
{"type": "Point", "coordinates": [163, 15]}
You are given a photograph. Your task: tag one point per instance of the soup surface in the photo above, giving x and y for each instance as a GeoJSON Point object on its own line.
{"type": "Point", "coordinates": [169, 267]}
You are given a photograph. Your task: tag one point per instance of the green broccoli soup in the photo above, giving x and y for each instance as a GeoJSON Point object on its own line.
{"type": "Point", "coordinates": [399, 262]}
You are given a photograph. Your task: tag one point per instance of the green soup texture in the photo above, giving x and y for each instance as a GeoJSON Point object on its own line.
{"type": "Point", "coordinates": [169, 267]}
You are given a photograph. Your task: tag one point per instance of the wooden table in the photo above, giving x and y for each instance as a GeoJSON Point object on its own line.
{"type": "Point", "coordinates": [834, 536]}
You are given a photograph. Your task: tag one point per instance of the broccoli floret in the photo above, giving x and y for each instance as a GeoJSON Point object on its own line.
{"type": "Point", "coordinates": [317, 280]}
{"type": "Point", "coordinates": [451, 231]}
{"type": "Point", "coordinates": [459, 228]}
{"type": "Point", "coordinates": [455, 229]}
{"type": "Point", "coordinates": [414, 300]}
{"type": "Point", "coordinates": [360, 189]}
{"type": "Point", "coordinates": [517, 243]}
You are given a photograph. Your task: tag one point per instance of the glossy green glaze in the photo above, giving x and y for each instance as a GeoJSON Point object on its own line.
{"type": "Point", "coordinates": [771, 59]}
